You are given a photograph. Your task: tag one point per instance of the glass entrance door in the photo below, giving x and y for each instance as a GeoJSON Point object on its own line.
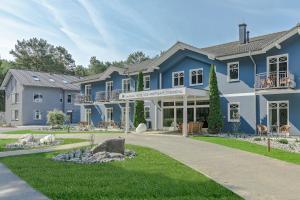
{"type": "Point", "coordinates": [278, 115]}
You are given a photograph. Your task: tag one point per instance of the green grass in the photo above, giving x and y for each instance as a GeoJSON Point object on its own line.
{"type": "Point", "coordinates": [54, 132]}
{"type": "Point", "coordinates": [3, 142]}
{"type": "Point", "coordinates": [151, 175]}
{"type": "Point", "coordinates": [253, 148]}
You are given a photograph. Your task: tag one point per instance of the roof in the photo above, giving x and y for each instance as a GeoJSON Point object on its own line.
{"type": "Point", "coordinates": [254, 44]}
{"type": "Point", "coordinates": [43, 79]}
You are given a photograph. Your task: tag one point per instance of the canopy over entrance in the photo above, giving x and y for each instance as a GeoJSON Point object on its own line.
{"type": "Point", "coordinates": [163, 94]}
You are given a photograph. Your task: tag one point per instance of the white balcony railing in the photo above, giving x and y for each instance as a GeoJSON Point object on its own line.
{"type": "Point", "coordinates": [82, 99]}
{"type": "Point", "coordinates": [272, 80]}
{"type": "Point", "coordinates": [106, 96]}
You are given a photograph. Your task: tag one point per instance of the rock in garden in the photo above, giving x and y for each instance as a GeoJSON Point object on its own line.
{"type": "Point", "coordinates": [141, 128]}
{"type": "Point", "coordinates": [26, 139]}
{"type": "Point", "coordinates": [48, 139]}
{"type": "Point", "coordinates": [116, 145]}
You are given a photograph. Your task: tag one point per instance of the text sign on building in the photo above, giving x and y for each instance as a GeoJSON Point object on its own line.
{"type": "Point", "coordinates": [153, 94]}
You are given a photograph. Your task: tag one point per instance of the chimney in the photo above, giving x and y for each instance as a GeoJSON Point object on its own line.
{"type": "Point", "coordinates": [242, 33]}
{"type": "Point", "coordinates": [248, 36]}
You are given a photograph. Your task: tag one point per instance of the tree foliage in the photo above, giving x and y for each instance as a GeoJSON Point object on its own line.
{"type": "Point", "coordinates": [38, 55]}
{"type": "Point", "coordinates": [56, 118]}
{"type": "Point", "coordinates": [136, 58]}
{"type": "Point", "coordinates": [215, 119]}
{"type": "Point", "coordinates": [139, 115]}
{"type": "Point", "coordinates": [80, 70]}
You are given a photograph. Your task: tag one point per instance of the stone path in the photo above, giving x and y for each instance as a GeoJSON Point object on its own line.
{"type": "Point", "coordinates": [250, 175]}
{"type": "Point", "coordinates": [13, 188]}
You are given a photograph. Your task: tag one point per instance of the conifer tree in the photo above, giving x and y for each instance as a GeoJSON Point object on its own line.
{"type": "Point", "coordinates": [139, 115]}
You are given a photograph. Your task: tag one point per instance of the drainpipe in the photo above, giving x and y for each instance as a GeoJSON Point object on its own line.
{"type": "Point", "coordinates": [254, 65]}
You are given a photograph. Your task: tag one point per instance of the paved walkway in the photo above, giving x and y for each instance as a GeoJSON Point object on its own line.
{"type": "Point", "coordinates": [249, 175]}
{"type": "Point", "coordinates": [13, 188]}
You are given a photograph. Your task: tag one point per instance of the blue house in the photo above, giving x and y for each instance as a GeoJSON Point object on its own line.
{"type": "Point", "coordinates": [258, 80]}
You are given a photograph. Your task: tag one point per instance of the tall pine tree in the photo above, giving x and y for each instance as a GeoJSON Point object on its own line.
{"type": "Point", "coordinates": [215, 119]}
{"type": "Point", "coordinates": [139, 115]}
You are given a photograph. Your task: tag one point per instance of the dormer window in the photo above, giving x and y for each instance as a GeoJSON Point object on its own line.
{"type": "Point", "coordinates": [51, 80]}
{"type": "Point", "coordinates": [35, 78]}
{"type": "Point", "coordinates": [64, 81]}
{"type": "Point", "coordinates": [178, 79]}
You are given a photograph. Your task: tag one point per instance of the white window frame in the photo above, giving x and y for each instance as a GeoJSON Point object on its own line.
{"type": "Point", "coordinates": [40, 100]}
{"type": "Point", "coordinates": [147, 107]}
{"type": "Point", "coordinates": [13, 115]}
{"type": "Point", "coordinates": [173, 77]}
{"type": "Point", "coordinates": [86, 88]}
{"type": "Point", "coordinates": [145, 79]}
{"type": "Point", "coordinates": [15, 100]}
{"type": "Point", "coordinates": [123, 84]}
{"type": "Point", "coordinates": [86, 111]}
{"type": "Point", "coordinates": [68, 98]}
{"type": "Point", "coordinates": [278, 102]}
{"type": "Point", "coordinates": [34, 115]}
{"type": "Point", "coordinates": [277, 56]}
{"type": "Point", "coordinates": [239, 112]}
{"type": "Point", "coordinates": [228, 71]}
{"type": "Point", "coordinates": [111, 110]}
{"type": "Point", "coordinates": [190, 77]}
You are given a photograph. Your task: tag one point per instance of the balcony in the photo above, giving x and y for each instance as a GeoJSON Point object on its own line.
{"type": "Point", "coordinates": [108, 96]}
{"type": "Point", "coordinates": [274, 80]}
{"type": "Point", "coordinates": [83, 99]}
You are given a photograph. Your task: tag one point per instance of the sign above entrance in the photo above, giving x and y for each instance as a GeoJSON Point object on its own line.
{"type": "Point", "coordinates": [172, 92]}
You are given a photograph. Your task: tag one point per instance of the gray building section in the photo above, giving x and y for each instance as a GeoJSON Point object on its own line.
{"type": "Point", "coordinates": [29, 96]}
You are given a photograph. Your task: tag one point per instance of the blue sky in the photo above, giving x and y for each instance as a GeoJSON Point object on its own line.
{"type": "Point", "coordinates": [111, 29]}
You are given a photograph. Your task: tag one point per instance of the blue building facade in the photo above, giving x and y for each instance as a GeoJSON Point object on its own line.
{"type": "Point", "coordinates": [258, 80]}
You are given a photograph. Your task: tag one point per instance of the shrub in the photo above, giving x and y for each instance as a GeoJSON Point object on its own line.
{"type": "Point", "coordinates": [257, 139]}
{"type": "Point", "coordinates": [283, 141]}
{"type": "Point", "coordinates": [56, 118]}
{"type": "Point", "coordinates": [215, 119]}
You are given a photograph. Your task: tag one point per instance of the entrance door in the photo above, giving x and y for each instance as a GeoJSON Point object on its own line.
{"type": "Point", "coordinates": [278, 115]}
{"type": "Point", "coordinates": [70, 116]}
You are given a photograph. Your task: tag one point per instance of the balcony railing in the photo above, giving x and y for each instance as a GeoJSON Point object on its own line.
{"type": "Point", "coordinates": [273, 80]}
{"type": "Point", "coordinates": [106, 96]}
{"type": "Point", "coordinates": [82, 99]}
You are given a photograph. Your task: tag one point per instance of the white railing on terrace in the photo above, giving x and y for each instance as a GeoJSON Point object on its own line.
{"type": "Point", "coordinates": [281, 79]}
{"type": "Point", "coordinates": [106, 96]}
{"type": "Point", "coordinates": [81, 99]}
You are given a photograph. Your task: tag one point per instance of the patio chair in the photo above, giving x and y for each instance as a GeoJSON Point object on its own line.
{"type": "Point", "coordinates": [285, 130]}
{"type": "Point", "coordinates": [262, 129]}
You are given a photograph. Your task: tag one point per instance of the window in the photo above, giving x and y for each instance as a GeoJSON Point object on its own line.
{"type": "Point", "coordinates": [196, 76]}
{"type": "Point", "coordinates": [88, 115]}
{"type": "Point", "coordinates": [51, 80]}
{"type": "Point", "coordinates": [126, 85]}
{"type": "Point", "coordinates": [124, 114]}
{"type": "Point", "coordinates": [109, 89]}
{"type": "Point", "coordinates": [61, 98]}
{"type": "Point", "coordinates": [147, 82]}
{"type": "Point", "coordinates": [233, 112]}
{"type": "Point", "coordinates": [109, 114]}
{"type": "Point", "coordinates": [37, 115]}
{"type": "Point", "coordinates": [69, 98]}
{"type": "Point", "coordinates": [147, 112]}
{"type": "Point", "coordinates": [35, 78]}
{"type": "Point", "coordinates": [64, 81]}
{"type": "Point", "coordinates": [37, 97]}
{"type": "Point", "coordinates": [178, 78]}
{"type": "Point", "coordinates": [15, 115]}
{"type": "Point", "coordinates": [233, 71]}
{"type": "Point", "coordinates": [15, 98]}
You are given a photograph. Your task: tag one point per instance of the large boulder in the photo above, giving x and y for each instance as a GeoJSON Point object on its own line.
{"type": "Point", "coordinates": [26, 139]}
{"type": "Point", "coordinates": [116, 145]}
{"type": "Point", "coordinates": [141, 128]}
{"type": "Point", "coordinates": [48, 139]}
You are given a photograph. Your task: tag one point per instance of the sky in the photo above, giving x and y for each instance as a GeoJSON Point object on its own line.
{"type": "Point", "coordinates": [112, 29]}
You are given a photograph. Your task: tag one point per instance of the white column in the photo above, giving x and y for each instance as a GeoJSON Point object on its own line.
{"type": "Point", "coordinates": [127, 116]}
{"type": "Point", "coordinates": [155, 115]}
{"type": "Point", "coordinates": [184, 124]}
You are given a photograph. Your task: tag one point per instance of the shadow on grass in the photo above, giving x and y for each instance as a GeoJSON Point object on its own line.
{"type": "Point", "coordinates": [151, 175]}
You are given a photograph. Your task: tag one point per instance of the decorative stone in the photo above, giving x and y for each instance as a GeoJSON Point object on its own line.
{"type": "Point", "coordinates": [48, 139]}
{"type": "Point", "coordinates": [141, 128]}
{"type": "Point", "coordinates": [26, 139]}
{"type": "Point", "coordinates": [116, 145]}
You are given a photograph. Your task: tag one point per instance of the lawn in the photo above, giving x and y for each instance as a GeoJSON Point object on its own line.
{"type": "Point", "coordinates": [151, 175]}
{"type": "Point", "coordinates": [253, 148]}
{"type": "Point", "coordinates": [3, 142]}
{"type": "Point", "coordinates": [54, 132]}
